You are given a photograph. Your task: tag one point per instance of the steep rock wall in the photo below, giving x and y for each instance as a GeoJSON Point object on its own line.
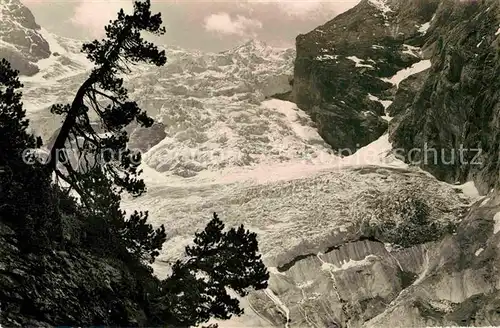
{"type": "Point", "coordinates": [460, 283]}
{"type": "Point", "coordinates": [457, 104]}
{"type": "Point", "coordinates": [342, 62]}
{"type": "Point", "coordinates": [20, 40]}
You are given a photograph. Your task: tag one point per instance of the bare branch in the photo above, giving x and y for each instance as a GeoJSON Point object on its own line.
{"type": "Point", "coordinates": [110, 97]}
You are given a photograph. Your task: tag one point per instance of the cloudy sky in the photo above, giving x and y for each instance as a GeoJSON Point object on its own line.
{"type": "Point", "coordinates": [196, 24]}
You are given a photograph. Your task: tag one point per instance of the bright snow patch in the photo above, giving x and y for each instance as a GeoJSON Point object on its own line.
{"type": "Point", "coordinates": [479, 251]}
{"type": "Point", "coordinates": [424, 27]}
{"type": "Point", "coordinates": [358, 61]}
{"type": "Point", "coordinates": [385, 103]}
{"type": "Point", "coordinates": [469, 189]}
{"type": "Point", "coordinates": [406, 72]}
{"type": "Point", "coordinates": [239, 137]}
{"type": "Point", "coordinates": [381, 5]}
{"type": "Point", "coordinates": [291, 112]}
{"type": "Point", "coordinates": [496, 218]}
{"type": "Point", "coordinates": [376, 153]}
{"type": "Point", "coordinates": [68, 62]}
{"type": "Point", "coordinates": [345, 265]}
{"type": "Point", "coordinates": [326, 57]}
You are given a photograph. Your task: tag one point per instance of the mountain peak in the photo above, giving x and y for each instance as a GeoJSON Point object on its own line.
{"type": "Point", "coordinates": [21, 42]}
{"type": "Point", "coordinates": [382, 5]}
{"type": "Point", "coordinates": [254, 45]}
{"type": "Point", "coordinates": [14, 9]}
{"type": "Point", "coordinates": [255, 42]}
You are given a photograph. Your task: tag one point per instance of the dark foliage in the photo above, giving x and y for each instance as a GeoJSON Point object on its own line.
{"type": "Point", "coordinates": [103, 92]}
{"type": "Point", "coordinates": [12, 115]}
{"type": "Point", "coordinates": [217, 261]}
{"type": "Point", "coordinates": [108, 227]}
{"type": "Point", "coordinates": [108, 166]}
{"type": "Point", "coordinates": [79, 240]}
{"type": "Point", "coordinates": [24, 210]}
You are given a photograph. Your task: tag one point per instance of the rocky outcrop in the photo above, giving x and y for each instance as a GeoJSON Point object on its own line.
{"type": "Point", "coordinates": [64, 287]}
{"type": "Point", "coordinates": [364, 282]}
{"type": "Point", "coordinates": [347, 285]}
{"type": "Point", "coordinates": [342, 62]}
{"type": "Point", "coordinates": [456, 104]}
{"type": "Point", "coordinates": [460, 283]}
{"type": "Point", "coordinates": [20, 40]}
{"type": "Point", "coordinates": [143, 139]}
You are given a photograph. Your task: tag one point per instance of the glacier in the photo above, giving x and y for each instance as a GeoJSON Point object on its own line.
{"type": "Point", "coordinates": [230, 148]}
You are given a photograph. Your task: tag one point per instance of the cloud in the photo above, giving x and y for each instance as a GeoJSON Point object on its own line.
{"type": "Point", "coordinates": [209, 25]}
{"type": "Point", "coordinates": [223, 23]}
{"type": "Point", "coordinates": [94, 15]}
{"type": "Point", "coordinates": [303, 9]}
{"type": "Point", "coordinates": [294, 7]}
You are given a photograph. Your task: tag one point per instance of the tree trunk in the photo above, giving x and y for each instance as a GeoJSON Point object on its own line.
{"type": "Point", "coordinates": [77, 103]}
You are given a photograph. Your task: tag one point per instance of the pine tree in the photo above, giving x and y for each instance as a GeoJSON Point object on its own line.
{"type": "Point", "coordinates": [13, 123]}
{"type": "Point", "coordinates": [25, 191]}
{"type": "Point", "coordinates": [197, 289]}
{"type": "Point", "coordinates": [103, 93]}
{"type": "Point", "coordinates": [109, 229]}
{"type": "Point", "coordinates": [219, 260]}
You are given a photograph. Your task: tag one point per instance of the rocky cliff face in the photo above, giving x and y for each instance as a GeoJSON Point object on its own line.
{"type": "Point", "coordinates": [71, 287]}
{"type": "Point", "coordinates": [357, 274]}
{"type": "Point", "coordinates": [456, 104]}
{"type": "Point", "coordinates": [451, 104]}
{"type": "Point", "coordinates": [459, 284]}
{"type": "Point", "coordinates": [341, 63]}
{"type": "Point", "coordinates": [20, 40]}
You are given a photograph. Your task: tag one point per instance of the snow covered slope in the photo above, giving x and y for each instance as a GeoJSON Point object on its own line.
{"type": "Point", "coordinates": [210, 106]}
{"type": "Point", "coordinates": [65, 60]}
{"type": "Point", "coordinates": [297, 209]}
{"type": "Point", "coordinates": [20, 40]}
{"type": "Point", "coordinates": [272, 199]}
